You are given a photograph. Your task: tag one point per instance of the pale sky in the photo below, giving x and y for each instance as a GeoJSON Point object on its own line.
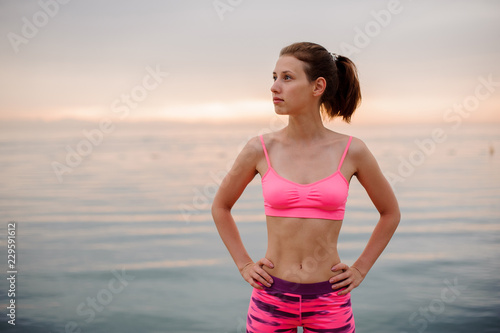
{"type": "Point", "coordinates": [417, 60]}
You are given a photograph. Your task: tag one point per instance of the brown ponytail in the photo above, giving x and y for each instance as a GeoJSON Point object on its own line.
{"type": "Point", "coordinates": [342, 95]}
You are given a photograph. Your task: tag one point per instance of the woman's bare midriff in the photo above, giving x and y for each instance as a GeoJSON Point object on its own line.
{"type": "Point", "coordinates": [302, 250]}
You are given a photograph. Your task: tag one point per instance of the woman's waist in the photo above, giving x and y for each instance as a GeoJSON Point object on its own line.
{"type": "Point", "coordinates": [314, 288]}
{"type": "Point", "coordinates": [300, 268]}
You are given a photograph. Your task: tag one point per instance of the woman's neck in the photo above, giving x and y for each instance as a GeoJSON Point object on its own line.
{"type": "Point", "coordinates": [305, 127]}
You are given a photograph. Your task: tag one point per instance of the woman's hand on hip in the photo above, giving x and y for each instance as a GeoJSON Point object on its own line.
{"type": "Point", "coordinates": [350, 278]}
{"type": "Point", "coordinates": [254, 274]}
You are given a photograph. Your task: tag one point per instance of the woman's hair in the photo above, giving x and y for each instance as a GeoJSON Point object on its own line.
{"type": "Point", "coordinates": [342, 94]}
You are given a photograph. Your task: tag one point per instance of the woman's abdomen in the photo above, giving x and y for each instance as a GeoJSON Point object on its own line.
{"type": "Point", "coordinates": [302, 250]}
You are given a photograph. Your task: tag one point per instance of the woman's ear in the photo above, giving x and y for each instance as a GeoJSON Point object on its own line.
{"type": "Point", "coordinates": [319, 86]}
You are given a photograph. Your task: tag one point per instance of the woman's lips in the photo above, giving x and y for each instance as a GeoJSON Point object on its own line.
{"type": "Point", "coordinates": [277, 100]}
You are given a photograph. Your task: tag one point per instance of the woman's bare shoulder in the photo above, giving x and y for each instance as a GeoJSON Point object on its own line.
{"type": "Point", "coordinates": [361, 156]}
{"type": "Point", "coordinates": [254, 143]}
{"type": "Point", "coordinates": [356, 146]}
{"type": "Point", "coordinates": [254, 149]}
{"type": "Point", "coordinates": [269, 139]}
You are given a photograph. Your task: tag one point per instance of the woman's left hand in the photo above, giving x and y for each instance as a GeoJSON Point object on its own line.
{"type": "Point", "coordinates": [350, 278]}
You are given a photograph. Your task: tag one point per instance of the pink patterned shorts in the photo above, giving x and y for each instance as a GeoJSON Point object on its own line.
{"type": "Point", "coordinates": [286, 305]}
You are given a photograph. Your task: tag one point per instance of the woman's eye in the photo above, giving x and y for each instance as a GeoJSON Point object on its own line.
{"type": "Point", "coordinates": [285, 77]}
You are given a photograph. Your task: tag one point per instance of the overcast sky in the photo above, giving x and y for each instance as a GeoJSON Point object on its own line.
{"type": "Point", "coordinates": [416, 59]}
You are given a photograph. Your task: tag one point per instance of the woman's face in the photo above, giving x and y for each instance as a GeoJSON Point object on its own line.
{"type": "Point", "coordinates": [292, 91]}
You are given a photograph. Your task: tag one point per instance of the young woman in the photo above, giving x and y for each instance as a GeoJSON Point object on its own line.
{"type": "Point", "coordinates": [305, 170]}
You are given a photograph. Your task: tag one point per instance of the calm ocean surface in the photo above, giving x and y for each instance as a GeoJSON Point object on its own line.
{"type": "Point", "coordinates": [124, 240]}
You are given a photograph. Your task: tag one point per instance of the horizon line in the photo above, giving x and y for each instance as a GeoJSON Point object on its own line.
{"type": "Point", "coordinates": [231, 120]}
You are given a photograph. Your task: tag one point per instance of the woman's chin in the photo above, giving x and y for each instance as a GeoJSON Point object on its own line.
{"type": "Point", "coordinates": [279, 111]}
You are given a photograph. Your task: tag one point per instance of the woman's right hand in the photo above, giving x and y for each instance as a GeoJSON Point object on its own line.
{"type": "Point", "coordinates": [255, 275]}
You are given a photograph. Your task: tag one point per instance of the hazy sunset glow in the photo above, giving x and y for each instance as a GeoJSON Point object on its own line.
{"type": "Point", "coordinates": [419, 61]}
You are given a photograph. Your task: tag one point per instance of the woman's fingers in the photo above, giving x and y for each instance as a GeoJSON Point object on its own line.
{"type": "Point", "coordinates": [266, 278]}
{"type": "Point", "coordinates": [262, 276]}
{"type": "Point", "coordinates": [346, 291]}
{"type": "Point", "coordinates": [256, 276]}
{"type": "Point", "coordinates": [266, 262]}
{"type": "Point", "coordinates": [254, 284]}
{"type": "Point", "coordinates": [341, 283]}
{"type": "Point", "coordinates": [340, 277]}
{"type": "Point", "coordinates": [340, 266]}
{"type": "Point", "coordinates": [253, 278]}
{"type": "Point", "coordinates": [350, 278]}
{"type": "Point", "coordinates": [261, 279]}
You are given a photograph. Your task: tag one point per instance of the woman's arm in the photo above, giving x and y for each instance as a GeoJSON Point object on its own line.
{"type": "Point", "coordinates": [242, 172]}
{"type": "Point", "coordinates": [380, 192]}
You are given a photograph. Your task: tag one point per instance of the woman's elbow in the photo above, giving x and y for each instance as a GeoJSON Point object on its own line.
{"type": "Point", "coordinates": [219, 207]}
{"type": "Point", "coordinates": [391, 215]}
{"type": "Point", "coordinates": [215, 209]}
{"type": "Point", "coordinates": [395, 216]}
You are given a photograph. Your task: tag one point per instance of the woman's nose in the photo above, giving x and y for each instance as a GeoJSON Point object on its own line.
{"type": "Point", "coordinates": [275, 87]}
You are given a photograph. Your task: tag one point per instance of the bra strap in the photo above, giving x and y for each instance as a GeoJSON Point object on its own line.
{"type": "Point", "coordinates": [345, 153]}
{"type": "Point", "coordinates": [265, 150]}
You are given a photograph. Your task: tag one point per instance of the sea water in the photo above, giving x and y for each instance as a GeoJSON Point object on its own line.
{"type": "Point", "coordinates": [120, 238]}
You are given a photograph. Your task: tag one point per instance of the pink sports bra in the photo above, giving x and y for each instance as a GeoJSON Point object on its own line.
{"type": "Point", "coordinates": [323, 199]}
